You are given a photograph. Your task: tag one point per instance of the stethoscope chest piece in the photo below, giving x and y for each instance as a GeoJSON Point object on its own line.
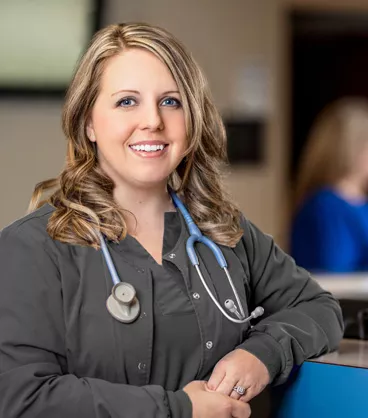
{"type": "Point", "coordinates": [123, 304]}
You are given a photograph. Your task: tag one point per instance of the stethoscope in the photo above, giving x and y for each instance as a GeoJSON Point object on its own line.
{"type": "Point", "coordinates": [123, 303]}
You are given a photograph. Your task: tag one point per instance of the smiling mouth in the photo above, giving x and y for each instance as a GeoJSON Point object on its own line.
{"type": "Point", "coordinates": [148, 148]}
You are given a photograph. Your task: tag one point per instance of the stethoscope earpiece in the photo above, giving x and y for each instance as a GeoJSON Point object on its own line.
{"type": "Point", "coordinates": [123, 304]}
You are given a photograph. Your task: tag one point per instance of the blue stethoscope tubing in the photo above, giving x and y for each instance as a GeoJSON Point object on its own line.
{"type": "Point", "coordinates": [195, 236]}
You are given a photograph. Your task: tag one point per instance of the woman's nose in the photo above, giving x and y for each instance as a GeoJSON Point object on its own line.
{"type": "Point", "coordinates": [151, 118]}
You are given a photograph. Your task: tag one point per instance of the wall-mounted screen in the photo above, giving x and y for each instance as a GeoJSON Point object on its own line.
{"type": "Point", "coordinates": [41, 41]}
{"type": "Point", "coordinates": [245, 141]}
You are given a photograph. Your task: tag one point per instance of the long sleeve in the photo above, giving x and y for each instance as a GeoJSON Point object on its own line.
{"type": "Point", "coordinates": [34, 378]}
{"type": "Point", "coordinates": [301, 320]}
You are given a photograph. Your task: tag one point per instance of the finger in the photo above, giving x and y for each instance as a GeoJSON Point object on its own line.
{"type": "Point", "coordinates": [235, 395]}
{"type": "Point", "coordinates": [240, 409]}
{"type": "Point", "coordinates": [226, 386]}
{"type": "Point", "coordinates": [216, 378]}
{"type": "Point", "coordinates": [250, 393]}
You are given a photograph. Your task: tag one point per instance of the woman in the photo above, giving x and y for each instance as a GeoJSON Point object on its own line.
{"type": "Point", "coordinates": [140, 124]}
{"type": "Point", "coordinates": [330, 228]}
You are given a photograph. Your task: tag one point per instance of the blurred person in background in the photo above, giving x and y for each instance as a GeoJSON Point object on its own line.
{"type": "Point", "coordinates": [330, 225]}
{"type": "Point", "coordinates": [141, 124]}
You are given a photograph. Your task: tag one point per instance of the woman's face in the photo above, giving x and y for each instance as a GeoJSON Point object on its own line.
{"type": "Point", "coordinates": [360, 166]}
{"type": "Point", "coordinates": [138, 121]}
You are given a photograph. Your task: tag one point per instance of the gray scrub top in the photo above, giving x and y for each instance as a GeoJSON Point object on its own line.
{"type": "Point", "coordinates": [63, 355]}
{"type": "Point", "coordinates": [175, 324]}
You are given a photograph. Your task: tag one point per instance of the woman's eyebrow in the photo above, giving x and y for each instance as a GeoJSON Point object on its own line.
{"type": "Point", "coordinates": [137, 92]}
{"type": "Point", "coordinates": [126, 91]}
{"type": "Point", "coordinates": [170, 92]}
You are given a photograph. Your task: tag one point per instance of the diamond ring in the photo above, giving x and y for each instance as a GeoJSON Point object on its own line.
{"type": "Point", "coordinates": [239, 390]}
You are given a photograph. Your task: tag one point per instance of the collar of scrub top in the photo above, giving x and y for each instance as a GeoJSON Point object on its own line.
{"type": "Point", "coordinates": [123, 303]}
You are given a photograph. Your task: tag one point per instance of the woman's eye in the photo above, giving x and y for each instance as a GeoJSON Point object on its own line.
{"type": "Point", "coordinates": [171, 101]}
{"type": "Point", "coordinates": [127, 102]}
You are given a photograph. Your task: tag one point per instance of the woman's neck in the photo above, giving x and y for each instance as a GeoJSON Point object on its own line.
{"type": "Point", "coordinates": [143, 205]}
{"type": "Point", "coordinates": [351, 189]}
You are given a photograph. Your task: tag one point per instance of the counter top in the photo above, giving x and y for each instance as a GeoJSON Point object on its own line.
{"type": "Point", "coordinates": [345, 286]}
{"type": "Point", "coordinates": [350, 353]}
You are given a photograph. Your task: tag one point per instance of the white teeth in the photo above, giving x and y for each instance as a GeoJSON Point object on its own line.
{"type": "Point", "coordinates": [148, 148]}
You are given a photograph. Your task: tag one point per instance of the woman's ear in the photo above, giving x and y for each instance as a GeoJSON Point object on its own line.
{"type": "Point", "coordinates": [90, 132]}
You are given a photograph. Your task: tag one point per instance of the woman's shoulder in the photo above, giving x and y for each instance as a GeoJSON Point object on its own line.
{"type": "Point", "coordinates": [32, 226]}
{"type": "Point", "coordinates": [323, 198]}
{"type": "Point", "coordinates": [253, 237]}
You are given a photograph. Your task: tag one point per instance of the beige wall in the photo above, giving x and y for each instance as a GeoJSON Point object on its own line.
{"type": "Point", "coordinates": [31, 148]}
{"type": "Point", "coordinates": [222, 35]}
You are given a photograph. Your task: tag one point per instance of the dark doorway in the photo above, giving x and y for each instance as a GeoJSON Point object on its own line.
{"type": "Point", "coordinates": [329, 60]}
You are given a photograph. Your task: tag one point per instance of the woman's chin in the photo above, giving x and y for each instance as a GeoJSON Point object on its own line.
{"type": "Point", "coordinates": [152, 181]}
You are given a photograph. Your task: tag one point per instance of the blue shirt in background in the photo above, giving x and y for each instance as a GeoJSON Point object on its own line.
{"type": "Point", "coordinates": [330, 234]}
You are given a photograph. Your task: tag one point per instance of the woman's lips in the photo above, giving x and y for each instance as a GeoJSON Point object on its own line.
{"type": "Point", "coordinates": [153, 150]}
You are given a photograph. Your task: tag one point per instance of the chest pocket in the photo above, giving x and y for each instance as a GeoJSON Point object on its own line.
{"type": "Point", "coordinates": [170, 293]}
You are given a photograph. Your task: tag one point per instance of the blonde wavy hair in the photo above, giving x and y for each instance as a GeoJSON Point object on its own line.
{"type": "Point", "coordinates": [84, 193]}
{"type": "Point", "coordinates": [337, 137]}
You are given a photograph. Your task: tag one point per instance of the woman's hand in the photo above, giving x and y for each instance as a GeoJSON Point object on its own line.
{"type": "Point", "coordinates": [212, 404]}
{"type": "Point", "coordinates": [239, 368]}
